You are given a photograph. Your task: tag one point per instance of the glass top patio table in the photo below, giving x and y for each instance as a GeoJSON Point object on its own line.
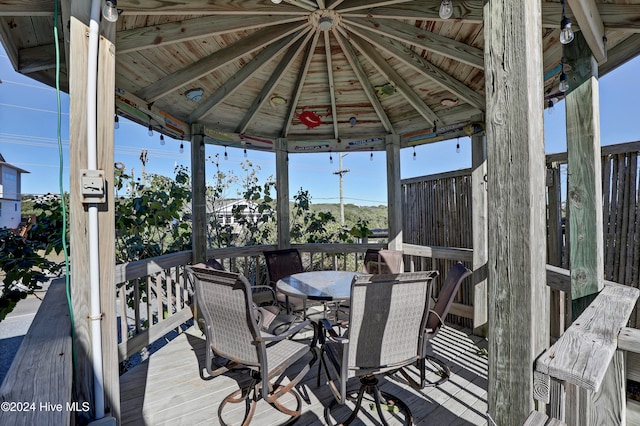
{"type": "Point", "coordinates": [318, 285]}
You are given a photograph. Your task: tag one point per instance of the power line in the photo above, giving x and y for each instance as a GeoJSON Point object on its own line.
{"type": "Point", "coordinates": [29, 85]}
{"type": "Point", "coordinates": [33, 109]}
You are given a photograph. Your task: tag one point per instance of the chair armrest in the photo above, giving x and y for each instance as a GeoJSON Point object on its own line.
{"type": "Point", "coordinates": [286, 334]}
{"type": "Point", "coordinates": [327, 327]}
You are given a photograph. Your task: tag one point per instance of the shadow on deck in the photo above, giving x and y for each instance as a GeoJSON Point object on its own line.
{"type": "Point", "coordinates": [172, 387]}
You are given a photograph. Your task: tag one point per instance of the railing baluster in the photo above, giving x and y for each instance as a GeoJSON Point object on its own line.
{"type": "Point", "coordinates": [136, 303]}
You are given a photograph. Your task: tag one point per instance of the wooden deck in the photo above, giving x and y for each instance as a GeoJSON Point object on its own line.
{"type": "Point", "coordinates": [172, 387]}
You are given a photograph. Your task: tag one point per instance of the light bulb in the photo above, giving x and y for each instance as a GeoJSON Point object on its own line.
{"type": "Point", "coordinates": [414, 153]}
{"type": "Point", "coordinates": [161, 139]}
{"type": "Point", "coordinates": [330, 158]}
{"type": "Point", "coordinates": [550, 104]}
{"type": "Point", "coordinates": [566, 33]}
{"type": "Point", "coordinates": [458, 148]}
{"type": "Point", "coordinates": [446, 9]}
{"type": "Point", "coordinates": [116, 122]}
{"type": "Point", "coordinates": [371, 157]}
{"type": "Point", "coordinates": [110, 10]}
{"type": "Point", "coordinates": [226, 156]}
{"type": "Point", "coordinates": [276, 1]}
{"type": "Point", "coordinates": [564, 83]}
{"type": "Point", "coordinates": [181, 147]}
{"type": "Point", "coordinates": [150, 130]}
{"type": "Point", "coordinates": [245, 153]}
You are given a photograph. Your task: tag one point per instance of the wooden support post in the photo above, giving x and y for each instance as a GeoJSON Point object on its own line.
{"type": "Point", "coordinates": [282, 189]}
{"type": "Point", "coordinates": [554, 247]}
{"type": "Point", "coordinates": [106, 221]}
{"type": "Point", "coordinates": [584, 198]}
{"type": "Point", "coordinates": [584, 172]}
{"type": "Point", "coordinates": [479, 222]}
{"type": "Point", "coordinates": [518, 295]}
{"type": "Point", "coordinates": [198, 194]}
{"type": "Point", "coordinates": [394, 192]}
{"type": "Point", "coordinates": [78, 241]}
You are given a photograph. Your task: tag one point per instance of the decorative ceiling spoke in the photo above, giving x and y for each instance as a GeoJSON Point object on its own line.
{"type": "Point", "coordinates": [425, 39]}
{"type": "Point", "coordinates": [180, 31]}
{"type": "Point", "coordinates": [395, 79]}
{"type": "Point", "coordinates": [332, 89]}
{"type": "Point", "coordinates": [430, 71]}
{"type": "Point", "coordinates": [321, 4]}
{"type": "Point", "coordinates": [283, 65]}
{"type": "Point", "coordinates": [297, 88]}
{"type": "Point", "coordinates": [229, 86]}
{"type": "Point", "coordinates": [303, 4]}
{"type": "Point", "coordinates": [204, 7]}
{"type": "Point", "coordinates": [218, 59]}
{"type": "Point", "coordinates": [466, 11]}
{"type": "Point", "coordinates": [367, 87]}
{"type": "Point", "coordinates": [352, 5]}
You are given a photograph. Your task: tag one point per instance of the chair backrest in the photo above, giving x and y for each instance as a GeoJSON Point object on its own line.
{"type": "Point", "coordinates": [281, 263]}
{"type": "Point", "coordinates": [382, 261]}
{"type": "Point", "coordinates": [447, 293]}
{"type": "Point", "coordinates": [224, 300]}
{"type": "Point", "coordinates": [387, 319]}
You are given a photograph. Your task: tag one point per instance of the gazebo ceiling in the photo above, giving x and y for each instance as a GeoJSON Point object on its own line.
{"type": "Point", "coordinates": [325, 74]}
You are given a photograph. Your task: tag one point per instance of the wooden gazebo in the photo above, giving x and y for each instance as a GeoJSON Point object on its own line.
{"type": "Point", "coordinates": [344, 75]}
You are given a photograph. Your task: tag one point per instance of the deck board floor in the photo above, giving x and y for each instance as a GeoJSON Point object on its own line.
{"type": "Point", "coordinates": [173, 388]}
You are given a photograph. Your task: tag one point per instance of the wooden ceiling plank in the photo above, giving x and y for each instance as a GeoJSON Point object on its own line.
{"type": "Point", "coordinates": [352, 5]}
{"type": "Point", "coordinates": [283, 65]}
{"type": "Point", "coordinates": [230, 85]}
{"type": "Point", "coordinates": [622, 53]}
{"type": "Point", "coordinates": [591, 26]}
{"type": "Point", "coordinates": [463, 11]}
{"type": "Point", "coordinates": [26, 8]}
{"type": "Point", "coordinates": [181, 31]}
{"type": "Point", "coordinates": [65, 18]}
{"type": "Point", "coordinates": [321, 4]}
{"type": "Point", "coordinates": [381, 64]}
{"type": "Point", "coordinates": [360, 73]}
{"type": "Point", "coordinates": [37, 58]}
{"type": "Point", "coordinates": [311, 7]}
{"type": "Point", "coordinates": [430, 71]}
{"type": "Point", "coordinates": [10, 48]}
{"type": "Point", "coordinates": [205, 7]}
{"type": "Point", "coordinates": [297, 91]}
{"type": "Point", "coordinates": [425, 39]}
{"type": "Point", "coordinates": [199, 69]}
{"type": "Point", "coordinates": [332, 89]}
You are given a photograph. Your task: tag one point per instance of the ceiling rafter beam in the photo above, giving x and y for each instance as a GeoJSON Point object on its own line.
{"type": "Point", "coordinates": [207, 65]}
{"type": "Point", "coordinates": [424, 67]}
{"type": "Point", "coordinates": [321, 4]}
{"type": "Point", "coordinates": [463, 11]}
{"type": "Point", "coordinates": [283, 65]}
{"type": "Point", "coordinates": [588, 18]}
{"type": "Point", "coordinates": [297, 90]}
{"type": "Point", "coordinates": [424, 39]}
{"type": "Point", "coordinates": [191, 29]}
{"type": "Point", "coordinates": [306, 5]}
{"type": "Point", "coordinates": [26, 8]}
{"type": "Point", "coordinates": [335, 3]}
{"type": "Point", "coordinates": [206, 7]}
{"type": "Point", "coordinates": [352, 5]}
{"type": "Point", "coordinates": [360, 73]}
{"type": "Point", "coordinates": [332, 89]}
{"type": "Point", "coordinates": [38, 58]}
{"type": "Point", "coordinates": [381, 64]}
{"type": "Point", "coordinates": [620, 54]}
{"type": "Point", "coordinates": [230, 85]}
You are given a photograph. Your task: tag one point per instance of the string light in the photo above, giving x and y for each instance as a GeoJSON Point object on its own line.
{"type": "Point", "coordinates": [371, 155]}
{"type": "Point", "coordinates": [116, 122]}
{"type": "Point", "coordinates": [110, 10]}
{"type": "Point", "coordinates": [150, 130]}
{"type": "Point", "coordinates": [566, 33]}
{"type": "Point", "coordinates": [161, 139]}
{"type": "Point", "coordinates": [181, 147]}
{"type": "Point", "coordinates": [458, 147]}
{"type": "Point", "coordinates": [550, 104]}
{"type": "Point", "coordinates": [446, 9]}
{"type": "Point", "coordinates": [414, 153]}
{"type": "Point", "coordinates": [330, 158]}
{"type": "Point", "coordinates": [564, 80]}
{"type": "Point", "coordinates": [226, 156]}
{"type": "Point", "coordinates": [245, 153]}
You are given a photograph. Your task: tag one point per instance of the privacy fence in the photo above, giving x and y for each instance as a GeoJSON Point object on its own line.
{"type": "Point", "coordinates": [437, 212]}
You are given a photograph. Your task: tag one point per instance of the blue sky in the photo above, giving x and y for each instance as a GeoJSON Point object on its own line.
{"type": "Point", "coordinates": [28, 140]}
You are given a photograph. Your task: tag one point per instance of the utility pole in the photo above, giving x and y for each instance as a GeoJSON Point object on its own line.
{"type": "Point", "coordinates": [341, 172]}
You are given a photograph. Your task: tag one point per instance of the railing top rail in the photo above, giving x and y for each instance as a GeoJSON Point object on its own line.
{"type": "Point", "coordinates": [583, 353]}
{"type": "Point", "coordinates": [438, 252]}
{"type": "Point", "coordinates": [142, 268]}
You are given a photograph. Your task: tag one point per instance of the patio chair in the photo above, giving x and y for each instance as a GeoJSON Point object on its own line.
{"type": "Point", "coordinates": [281, 263]}
{"type": "Point", "coordinates": [271, 319]}
{"type": "Point", "coordinates": [382, 261]}
{"type": "Point", "coordinates": [232, 332]}
{"type": "Point", "coordinates": [435, 321]}
{"type": "Point", "coordinates": [386, 332]}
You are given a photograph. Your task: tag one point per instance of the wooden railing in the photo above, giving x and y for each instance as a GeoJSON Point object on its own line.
{"type": "Point", "coordinates": [153, 298]}
{"type": "Point", "coordinates": [589, 355]}
{"type": "Point", "coordinates": [37, 389]}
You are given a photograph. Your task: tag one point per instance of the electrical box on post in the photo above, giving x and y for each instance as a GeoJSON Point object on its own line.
{"type": "Point", "coordinates": [92, 186]}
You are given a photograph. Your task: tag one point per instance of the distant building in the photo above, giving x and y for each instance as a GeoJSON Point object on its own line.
{"type": "Point", "coordinates": [10, 194]}
{"type": "Point", "coordinates": [223, 212]}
